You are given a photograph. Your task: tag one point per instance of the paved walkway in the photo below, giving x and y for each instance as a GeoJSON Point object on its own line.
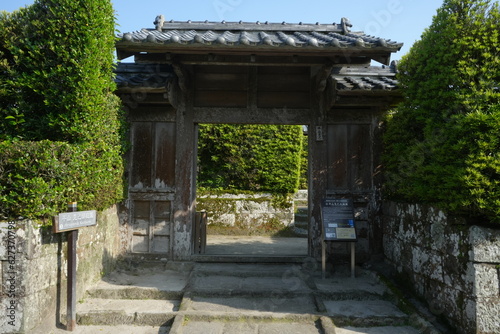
{"type": "Point", "coordinates": [255, 245]}
{"type": "Point", "coordinates": [232, 298]}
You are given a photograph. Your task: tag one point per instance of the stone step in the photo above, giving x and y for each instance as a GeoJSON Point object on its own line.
{"type": "Point", "coordinates": [271, 306]}
{"type": "Point", "coordinates": [301, 216]}
{"type": "Point", "coordinates": [111, 312]}
{"type": "Point", "coordinates": [301, 224]}
{"type": "Point", "coordinates": [340, 286]}
{"type": "Point", "coordinates": [243, 269]}
{"type": "Point", "coordinates": [378, 330]}
{"type": "Point", "coordinates": [234, 285]}
{"type": "Point", "coordinates": [135, 293]}
{"type": "Point", "coordinates": [149, 284]}
{"type": "Point", "coordinates": [251, 326]}
{"type": "Point", "coordinates": [302, 209]}
{"type": "Point", "coordinates": [371, 313]}
{"type": "Point", "coordinates": [105, 329]}
{"type": "Point", "coordinates": [300, 231]}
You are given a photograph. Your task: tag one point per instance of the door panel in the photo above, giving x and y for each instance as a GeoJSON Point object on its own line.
{"type": "Point", "coordinates": [152, 184]}
{"type": "Point", "coordinates": [349, 157]}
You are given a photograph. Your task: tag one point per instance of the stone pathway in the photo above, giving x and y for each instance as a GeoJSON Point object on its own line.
{"type": "Point", "coordinates": [227, 298]}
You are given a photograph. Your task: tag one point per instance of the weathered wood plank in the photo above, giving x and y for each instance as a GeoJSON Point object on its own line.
{"type": "Point", "coordinates": [165, 155]}
{"type": "Point", "coordinates": [283, 82]}
{"type": "Point", "coordinates": [220, 98]}
{"type": "Point", "coordinates": [144, 113]}
{"type": "Point", "coordinates": [141, 154]}
{"type": "Point", "coordinates": [221, 81]}
{"type": "Point", "coordinates": [286, 116]}
{"type": "Point", "coordinates": [283, 99]}
{"type": "Point", "coordinates": [185, 177]}
{"type": "Point", "coordinates": [305, 71]}
{"type": "Point", "coordinates": [214, 69]}
{"type": "Point", "coordinates": [337, 156]}
{"type": "Point", "coordinates": [318, 166]}
{"type": "Point", "coordinates": [360, 164]}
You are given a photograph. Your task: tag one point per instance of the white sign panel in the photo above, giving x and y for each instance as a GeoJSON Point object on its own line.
{"type": "Point", "coordinates": [67, 221]}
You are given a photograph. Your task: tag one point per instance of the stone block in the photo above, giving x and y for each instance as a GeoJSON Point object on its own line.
{"type": "Point", "coordinates": [437, 236]}
{"type": "Point", "coordinates": [227, 219]}
{"type": "Point", "coordinates": [389, 248]}
{"type": "Point", "coordinates": [486, 281]}
{"type": "Point", "coordinates": [427, 264]}
{"type": "Point", "coordinates": [252, 207]}
{"type": "Point", "coordinates": [4, 237]}
{"type": "Point", "coordinates": [468, 324]}
{"type": "Point", "coordinates": [485, 243]}
{"type": "Point", "coordinates": [391, 225]}
{"type": "Point", "coordinates": [454, 273]}
{"type": "Point", "coordinates": [487, 315]}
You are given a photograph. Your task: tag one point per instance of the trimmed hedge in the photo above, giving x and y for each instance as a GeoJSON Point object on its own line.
{"type": "Point", "coordinates": [61, 126]}
{"type": "Point", "coordinates": [442, 142]}
{"type": "Point", "coordinates": [250, 157]}
{"type": "Point", "coordinates": [41, 177]}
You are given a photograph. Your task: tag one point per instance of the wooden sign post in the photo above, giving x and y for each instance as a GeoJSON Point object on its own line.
{"type": "Point", "coordinates": [337, 216]}
{"type": "Point", "coordinates": [71, 221]}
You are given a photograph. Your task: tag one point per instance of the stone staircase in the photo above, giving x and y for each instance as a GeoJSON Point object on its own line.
{"type": "Point", "coordinates": [301, 220]}
{"type": "Point", "coordinates": [235, 298]}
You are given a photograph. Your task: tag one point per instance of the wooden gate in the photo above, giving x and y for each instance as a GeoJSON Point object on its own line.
{"type": "Point", "coordinates": [353, 169]}
{"type": "Point", "coordinates": [151, 188]}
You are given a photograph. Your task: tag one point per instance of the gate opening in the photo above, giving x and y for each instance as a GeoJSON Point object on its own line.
{"type": "Point", "coordinates": [252, 183]}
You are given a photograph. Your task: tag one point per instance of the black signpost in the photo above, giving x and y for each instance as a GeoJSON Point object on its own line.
{"type": "Point", "coordinates": [337, 215]}
{"type": "Point", "coordinates": [71, 221]}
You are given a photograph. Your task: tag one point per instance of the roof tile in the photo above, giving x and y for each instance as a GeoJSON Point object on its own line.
{"type": "Point", "coordinates": [282, 35]}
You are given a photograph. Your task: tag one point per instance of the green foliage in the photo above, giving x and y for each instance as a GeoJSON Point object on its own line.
{"type": "Point", "coordinates": [250, 157]}
{"type": "Point", "coordinates": [41, 177]}
{"type": "Point", "coordinates": [442, 142]}
{"type": "Point", "coordinates": [56, 93]}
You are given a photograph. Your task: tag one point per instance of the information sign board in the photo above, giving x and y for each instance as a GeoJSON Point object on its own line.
{"type": "Point", "coordinates": [338, 219]}
{"type": "Point", "coordinates": [68, 221]}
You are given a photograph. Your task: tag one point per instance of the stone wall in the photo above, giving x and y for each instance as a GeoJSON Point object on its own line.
{"type": "Point", "coordinates": [34, 269]}
{"type": "Point", "coordinates": [244, 210]}
{"type": "Point", "coordinates": [453, 266]}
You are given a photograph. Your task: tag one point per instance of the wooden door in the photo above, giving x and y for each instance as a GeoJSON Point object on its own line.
{"type": "Point", "coordinates": [151, 186]}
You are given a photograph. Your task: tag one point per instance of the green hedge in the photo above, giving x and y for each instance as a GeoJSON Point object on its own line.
{"type": "Point", "coordinates": [39, 178]}
{"type": "Point", "coordinates": [61, 128]}
{"type": "Point", "coordinates": [442, 142]}
{"type": "Point", "coordinates": [250, 157]}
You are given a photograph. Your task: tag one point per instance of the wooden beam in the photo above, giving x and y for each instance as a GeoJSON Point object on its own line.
{"type": "Point", "coordinates": [185, 176]}
{"type": "Point", "coordinates": [278, 59]}
{"type": "Point", "coordinates": [322, 77]}
{"type": "Point", "coordinates": [318, 164]}
{"type": "Point", "coordinates": [182, 76]}
{"type": "Point", "coordinates": [252, 115]}
{"type": "Point", "coordinates": [366, 101]}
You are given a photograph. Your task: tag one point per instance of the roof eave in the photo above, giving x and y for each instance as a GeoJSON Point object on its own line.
{"type": "Point", "coordinates": [379, 54]}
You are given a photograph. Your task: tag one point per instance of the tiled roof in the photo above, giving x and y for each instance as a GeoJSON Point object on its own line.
{"type": "Point", "coordinates": [372, 78]}
{"type": "Point", "coordinates": [262, 35]}
{"type": "Point", "coordinates": [347, 79]}
{"type": "Point", "coordinates": [149, 76]}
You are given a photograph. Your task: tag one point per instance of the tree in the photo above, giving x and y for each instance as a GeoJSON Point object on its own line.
{"type": "Point", "coordinates": [442, 141]}
{"type": "Point", "coordinates": [61, 126]}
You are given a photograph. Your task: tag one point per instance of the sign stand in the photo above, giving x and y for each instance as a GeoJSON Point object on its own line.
{"type": "Point", "coordinates": [71, 290]}
{"type": "Point", "coordinates": [71, 222]}
{"type": "Point", "coordinates": [337, 215]}
{"type": "Point", "coordinates": [323, 259]}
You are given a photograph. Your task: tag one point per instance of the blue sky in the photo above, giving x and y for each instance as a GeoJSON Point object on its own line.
{"type": "Point", "coordinates": [398, 20]}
